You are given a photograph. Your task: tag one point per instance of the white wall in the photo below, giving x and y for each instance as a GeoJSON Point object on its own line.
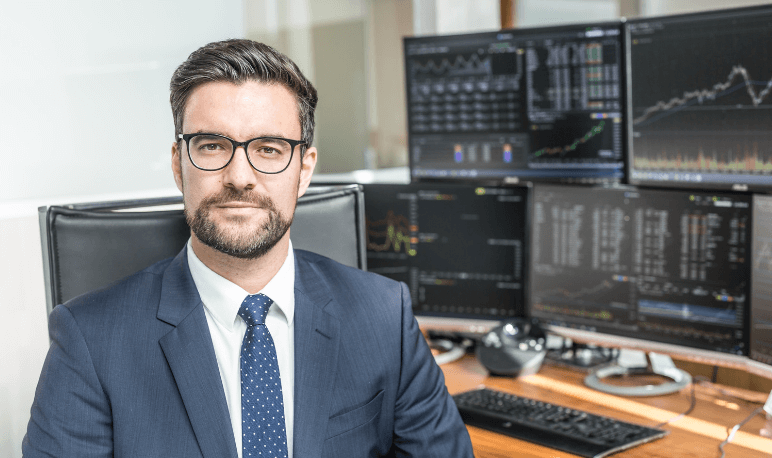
{"type": "Point", "coordinates": [446, 17]}
{"type": "Point", "coordinates": [328, 41]}
{"type": "Point", "coordinates": [84, 90]}
{"type": "Point", "coordinates": [454, 16]}
{"type": "Point", "coordinates": [84, 115]}
{"type": "Point", "coordinates": [534, 13]}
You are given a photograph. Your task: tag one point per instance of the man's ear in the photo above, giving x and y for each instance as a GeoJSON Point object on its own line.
{"type": "Point", "coordinates": [306, 170]}
{"type": "Point", "coordinates": [177, 165]}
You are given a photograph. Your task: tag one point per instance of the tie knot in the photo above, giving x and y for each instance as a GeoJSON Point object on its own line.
{"type": "Point", "coordinates": [255, 308]}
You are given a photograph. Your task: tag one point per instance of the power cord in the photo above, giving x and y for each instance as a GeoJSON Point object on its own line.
{"type": "Point", "coordinates": [735, 428]}
{"type": "Point", "coordinates": [709, 384]}
{"type": "Point", "coordinates": [730, 431]}
{"type": "Point", "coordinates": [687, 412]}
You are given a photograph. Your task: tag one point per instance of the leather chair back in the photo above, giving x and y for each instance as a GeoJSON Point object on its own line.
{"type": "Point", "coordinates": [88, 246]}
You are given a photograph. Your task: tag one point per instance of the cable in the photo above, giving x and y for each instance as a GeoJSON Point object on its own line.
{"type": "Point", "coordinates": [688, 411]}
{"type": "Point", "coordinates": [450, 351]}
{"type": "Point", "coordinates": [736, 428]}
{"type": "Point", "coordinates": [576, 355]}
{"type": "Point", "coordinates": [707, 383]}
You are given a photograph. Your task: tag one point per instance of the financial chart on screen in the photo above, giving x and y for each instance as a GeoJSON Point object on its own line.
{"type": "Point", "coordinates": [700, 105]}
{"type": "Point", "coordinates": [761, 292]}
{"type": "Point", "coordinates": [459, 248]}
{"type": "Point", "coordinates": [524, 104]}
{"type": "Point", "coordinates": [663, 266]}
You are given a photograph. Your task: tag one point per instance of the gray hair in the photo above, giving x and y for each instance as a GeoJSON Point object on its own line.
{"type": "Point", "coordinates": [238, 61]}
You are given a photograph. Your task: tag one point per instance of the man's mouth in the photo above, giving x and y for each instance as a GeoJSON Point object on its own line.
{"type": "Point", "coordinates": [237, 204]}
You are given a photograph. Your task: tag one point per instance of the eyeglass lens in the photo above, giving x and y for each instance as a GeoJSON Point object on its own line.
{"type": "Point", "coordinates": [212, 152]}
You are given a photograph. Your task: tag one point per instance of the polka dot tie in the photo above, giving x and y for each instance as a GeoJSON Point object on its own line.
{"type": "Point", "coordinates": [262, 406]}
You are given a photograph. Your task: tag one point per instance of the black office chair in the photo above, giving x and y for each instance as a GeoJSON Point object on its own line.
{"type": "Point", "coordinates": [87, 246]}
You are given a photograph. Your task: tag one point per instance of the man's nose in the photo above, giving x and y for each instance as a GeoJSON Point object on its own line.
{"type": "Point", "coordinates": [240, 174]}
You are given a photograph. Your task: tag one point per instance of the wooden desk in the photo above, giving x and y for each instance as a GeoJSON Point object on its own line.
{"type": "Point", "coordinates": [697, 435]}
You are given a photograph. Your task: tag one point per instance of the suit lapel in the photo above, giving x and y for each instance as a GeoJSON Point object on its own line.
{"type": "Point", "coordinates": [316, 354]}
{"type": "Point", "coordinates": [190, 354]}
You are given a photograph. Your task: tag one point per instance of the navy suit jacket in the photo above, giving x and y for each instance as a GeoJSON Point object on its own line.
{"type": "Point", "coordinates": [132, 372]}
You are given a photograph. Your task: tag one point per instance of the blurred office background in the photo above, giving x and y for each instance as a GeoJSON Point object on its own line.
{"type": "Point", "coordinates": [84, 113]}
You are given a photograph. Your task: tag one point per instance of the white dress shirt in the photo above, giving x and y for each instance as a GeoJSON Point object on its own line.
{"type": "Point", "coordinates": [222, 300]}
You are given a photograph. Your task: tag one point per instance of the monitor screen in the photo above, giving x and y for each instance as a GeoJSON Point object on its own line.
{"type": "Point", "coordinates": [662, 266]}
{"type": "Point", "coordinates": [460, 249]}
{"type": "Point", "coordinates": [699, 104]}
{"type": "Point", "coordinates": [521, 104]}
{"type": "Point", "coordinates": [761, 281]}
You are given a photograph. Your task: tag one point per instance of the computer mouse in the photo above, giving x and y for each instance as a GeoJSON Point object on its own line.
{"type": "Point", "coordinates": [514, 347]}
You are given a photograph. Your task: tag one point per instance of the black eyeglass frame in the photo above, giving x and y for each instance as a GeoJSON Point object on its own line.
{"type": "Point", "coordinates": [292, 143]}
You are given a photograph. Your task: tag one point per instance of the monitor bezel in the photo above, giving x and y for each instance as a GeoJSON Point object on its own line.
{"type": "Point", "coordinates": [630, 153]}
{"type": "Point", "coordinates": [605, 337]}
{"type": "Point", "coordinates": [753, 309]}
{"type": "Point", "coordinates": [465, 324]}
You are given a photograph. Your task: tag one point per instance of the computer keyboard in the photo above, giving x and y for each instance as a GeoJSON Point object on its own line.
{"type": "Point", "coordinates": [554, 426]}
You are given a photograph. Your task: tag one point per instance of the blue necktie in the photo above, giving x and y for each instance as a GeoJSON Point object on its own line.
{"type": "Point", "coordinates": [262, 406]}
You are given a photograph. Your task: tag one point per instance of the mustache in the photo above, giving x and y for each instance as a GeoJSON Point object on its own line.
{"type": "Point", "coordinates": [232, 195]}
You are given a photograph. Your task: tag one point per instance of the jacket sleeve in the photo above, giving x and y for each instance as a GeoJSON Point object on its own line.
{"type": "Point", "coordinates": [426, 420]}
{"type": "Point", "coordinates": [70, 415]}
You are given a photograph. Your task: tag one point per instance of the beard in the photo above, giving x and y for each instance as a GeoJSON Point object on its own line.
{"type": "Point", "coordinates": [238, 240]}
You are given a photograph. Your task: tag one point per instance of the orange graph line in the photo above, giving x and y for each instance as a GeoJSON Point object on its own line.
{"type": "Point", "coordinates": [396, 234]}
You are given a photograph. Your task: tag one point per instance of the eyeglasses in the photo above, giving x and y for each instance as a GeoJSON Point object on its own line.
{"type": "Point", "coordinates": [214, 152]}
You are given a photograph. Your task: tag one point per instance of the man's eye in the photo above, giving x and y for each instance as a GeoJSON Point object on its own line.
{"type": "Point", "coordinates": [212, 147]}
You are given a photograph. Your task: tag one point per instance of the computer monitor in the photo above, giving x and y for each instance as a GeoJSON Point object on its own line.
{"type": "Point", "coordinates": [761, 281]}
{"type": "Point", "coordinates": [460, 248]}
{"type": "Point", "coordinates": [521, 104]}
{"type": "Point", "coordinates": [648, 269]}
{"type": "Point", "coordinates": [699, 104]}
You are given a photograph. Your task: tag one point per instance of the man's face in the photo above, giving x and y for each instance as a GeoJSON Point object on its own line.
{"type": "Point", "coordinates": [238, 210]}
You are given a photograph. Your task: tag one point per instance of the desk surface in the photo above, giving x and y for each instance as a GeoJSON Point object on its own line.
{"type": "Point", "coordinates": [697, 435]}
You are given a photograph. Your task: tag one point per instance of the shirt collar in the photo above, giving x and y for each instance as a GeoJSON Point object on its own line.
{"type": "Point", "coordinates": [223, 298]}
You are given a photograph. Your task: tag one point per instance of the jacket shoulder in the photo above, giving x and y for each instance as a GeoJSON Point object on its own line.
{"type": "Point", "coordinates": [332, 270]}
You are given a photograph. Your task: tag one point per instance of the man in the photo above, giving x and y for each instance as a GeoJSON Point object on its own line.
{"type": "Point", "coordinates": [240, 345]}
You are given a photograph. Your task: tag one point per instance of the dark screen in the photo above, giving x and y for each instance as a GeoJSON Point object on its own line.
{"type": "Point", "coordinates": [700, 106]}
{"type": "Point", "coordinates": [528, 104]}
{"type": "Point", "coordinates": [666, 266]}
{"type": "Point", "coordinates": [459, 248]}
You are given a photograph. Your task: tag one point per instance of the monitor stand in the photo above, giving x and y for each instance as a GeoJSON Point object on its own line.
{"type": "Point", "coordinates": [581, 356]}
{"type": "Point", "coordinates": [656, 365]}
